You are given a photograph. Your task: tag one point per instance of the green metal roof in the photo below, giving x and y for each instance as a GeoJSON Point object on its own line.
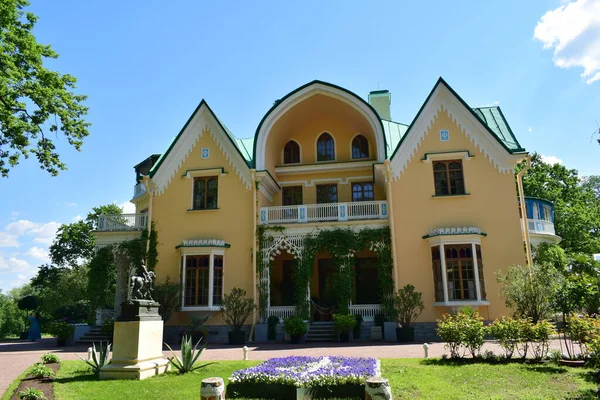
{"type": "Point", "coordinates": [394, 132]}
{"type": "Point", "coordinates": [494, 119]}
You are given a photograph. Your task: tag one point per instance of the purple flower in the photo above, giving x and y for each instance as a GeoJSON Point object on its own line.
{"type": "Point", "coordinates": [309, 371]}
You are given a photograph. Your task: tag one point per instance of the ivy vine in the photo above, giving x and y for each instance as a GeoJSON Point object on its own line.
{"type": "Point", "coordinates": [142, 249]}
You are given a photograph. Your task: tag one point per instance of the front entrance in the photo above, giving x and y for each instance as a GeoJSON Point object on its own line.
{"type": "Point", "coordinates": [324, 302]}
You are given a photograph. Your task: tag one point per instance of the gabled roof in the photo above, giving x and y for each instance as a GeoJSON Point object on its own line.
{"type": "Point", "coordinates": [393, 134]}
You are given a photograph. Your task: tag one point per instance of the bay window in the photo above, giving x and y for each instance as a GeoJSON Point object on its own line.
{"type": "Point", "coordinates": [202, 280]}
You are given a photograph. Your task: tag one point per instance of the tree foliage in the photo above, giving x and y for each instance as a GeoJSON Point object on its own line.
{"type": "Point", "coordinates": [35, 102]}
{"type": "Point", "coordinates": [61, 288]}
{"type": "Point", "coordinates": [12, 319]}
{"type": "Point", "coordinates": [576, 203]}
{"type": "Point", "coordinates": [102, 279]}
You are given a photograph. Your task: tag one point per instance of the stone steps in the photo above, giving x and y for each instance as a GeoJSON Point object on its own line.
{"type": "Point", "coordinates": [95, 335]}
{"type": "Point", "coordinates": [321, 332]}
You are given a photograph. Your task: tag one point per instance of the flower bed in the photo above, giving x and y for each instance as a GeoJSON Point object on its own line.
{"type": "Point", "coordinates": [314, 376]}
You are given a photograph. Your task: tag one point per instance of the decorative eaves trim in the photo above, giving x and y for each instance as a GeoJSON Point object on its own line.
{"type": "Point", "coordinates": [203, 120]}
{"type": "Point", "coordinates": [266, 184]}
{"type": "Point", "coordinates": [442, 99]}
{"type": "Point", "coordinates": [203, 243]}
{"type": "Point", "coordinates": [471, 230]}
{"type": "Point", "coordinates": [191, 173]}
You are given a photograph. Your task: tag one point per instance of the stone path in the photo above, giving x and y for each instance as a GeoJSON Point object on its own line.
{"type": "Point", "coordinates": [16, 356]}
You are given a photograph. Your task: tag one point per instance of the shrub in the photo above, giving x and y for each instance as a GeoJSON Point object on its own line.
{"type": "Point", "coordinates": [77, 312]}
{"type": "Point", "coordinates": [540, 342]}
{"type": "Point", "coordinates": [379, 319]}
{"type": "Point", "coordinates": [462, 330]}
{"type": "Point", "coordinates": [582, 330]}
{"type": "Point", "coordinates": [530, 291]}
{"type": "Point", "coordinates": [189, 355]}
{"type": "Point", "coordinates": [272, 327]}
{"type": "Point", "coordinates": [594, 352]}
{"type": "Point", "coordinates": [108, 327]}
{"type": "Point", "coordinates": [555, 356]}
{"type": "Point", "coordinates": [40, 371]}
{"type": "Point", "coordinates": [344, 323]}
{"type": "Point", "coordinates": [100, 357]}
{"type": "Point", "coordinates": [237, 308]}
{"type": "Point", "coordinates": [31, 394]}
{"type": "Point", "coordinates": [294, 326]}
{"type": "Point", "coordinates": [50, 358]}
{"type": "Point", "coordinates": [408, 305]}
{"type": "Point", "coordinates": [507, 331]}
{"type": "Point", "coordinates": [60, 330]}
{"type": "Point", "coordinates": [168, 294]}
{"type": "Point", "coordinates": [525, 337]}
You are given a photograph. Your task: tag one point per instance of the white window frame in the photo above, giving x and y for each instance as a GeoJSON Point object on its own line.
{"type": "Point", "coordinates": [442, 241]}
{"type": "Point", "coordinates": [204, 252]}
{"type": "Point", "coordinates": [203, 173]}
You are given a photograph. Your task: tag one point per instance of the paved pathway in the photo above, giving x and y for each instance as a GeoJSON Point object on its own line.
{"type": "Point", "coordinates": [16, 356]}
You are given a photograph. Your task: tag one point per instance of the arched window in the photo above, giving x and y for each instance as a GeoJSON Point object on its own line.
{"type": "Point", "coordinates": [360, 147]}
{"type": "Point", "coordinates": [291, 153]}
{"type": "Point", "coordinates": [325, 148]}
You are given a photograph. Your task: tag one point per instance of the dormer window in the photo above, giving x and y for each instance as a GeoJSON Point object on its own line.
{"type": "Point", "coordinates": [448, 178]}
{"type": "Point", "coordinates": [360, 147]}
{"type": "Point", "coordinates": [291, 153]}
{"type": "Point", "coordinates": [325, 148]}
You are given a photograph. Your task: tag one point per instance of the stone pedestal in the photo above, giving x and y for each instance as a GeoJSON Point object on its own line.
{"type": "Point", "coordinates": [137, 343]}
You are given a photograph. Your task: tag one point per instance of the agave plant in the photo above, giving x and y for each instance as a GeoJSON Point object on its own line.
{"type": "Point", "coordinates": [189, 356]}
{"type": "Point", "coordinates": [99, 357]}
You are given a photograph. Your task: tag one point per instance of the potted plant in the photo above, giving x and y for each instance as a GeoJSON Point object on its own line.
{"type": "Point", "coordinates": [408, 305]}
{"type": "Point", "coordinates": [343, 325]}
{"type": "Point", "coordinates": [296, 328]}
{"type": "Point", "coordinates": [196, 330]}
{"type": "Point", "coordinates": [236, 310]}
{"type": "Point", "coordinates": [261, 331]}
{"type": "Point", "coordinates": [357, 327]}
{"type": "Point", "coordinates": [272, 323]}
{"type": "Point", "coordinates": [61, 331]}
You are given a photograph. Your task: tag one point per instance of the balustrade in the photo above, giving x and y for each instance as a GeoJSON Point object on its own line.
{"type": "Point", "coordinates": [324, 212]}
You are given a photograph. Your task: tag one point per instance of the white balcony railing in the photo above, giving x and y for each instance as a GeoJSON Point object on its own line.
{"type": "Point", "coordinates": [282, 312]}
{"type": "Point", "coordinates": [368, 311]}
{"type": "Point", "coordinates": [540, 226]}
{"type": "Point", "coordinates": [139, 189]}
{"type": "Point", "coordinates": [122, 222]}
{"type": "Point", "coordinates": [324, 212]}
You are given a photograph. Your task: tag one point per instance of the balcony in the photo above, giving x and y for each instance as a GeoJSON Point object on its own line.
{"type": "Point", "coordinates": [139, 190]}
{"type": "Point", "coordinates": [304, 213]}
{"type": "Point", "coordinates": [540, 226]}
{"type": "Point", "coordinates": [122, 222]}
{"type": "Point", "coordinates": [540, 221]}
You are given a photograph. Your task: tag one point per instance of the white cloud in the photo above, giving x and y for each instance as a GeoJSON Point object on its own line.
{"type": "Point", "coordinates": [20, 227]}
{"type": "Point", "coordinates": [128, 208]}
{"type": "Point", "coordinates": [71, 204]}
{"type": "Point", "coordinates": [8, 240]}
{"type": "Point", "coordinates": [573, 30]}
{"type": "Point", "coordinates": [530, 129]}
{"type": "Point", "coordinates": [551, 159]}
{"type": "Point", "coordinates": [77, 218]}
{"type": "Point", "coordinates": [41, 233]}
{"type": "Point", "coordinates": [14, 215]}
{"type": "Point", "coordinates": [13, 264]}
{"type": "Point", "coordinates": [39, 254]}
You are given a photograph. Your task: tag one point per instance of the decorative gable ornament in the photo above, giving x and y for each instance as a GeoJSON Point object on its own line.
{"type": "Point", "coordinates": [203, 243]}
{"type": "Point", "coordinates": [205, 153]}
{"type": "Point", "coordinates": [444, 135]}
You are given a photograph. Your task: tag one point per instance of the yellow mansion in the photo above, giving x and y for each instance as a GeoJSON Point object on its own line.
{"type": "Point", "coordinates": [332, 205]}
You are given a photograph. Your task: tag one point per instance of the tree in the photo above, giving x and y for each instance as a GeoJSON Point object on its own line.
{"type": "Point", "coordinates": [576, 205]}
{"type": "Point", "coordinates": [75, 242]}
{"type": "Point", "coordinates": [35, 102]}
{"type": "Point", "coordinates": [62, 289]}
{"type": "Point", "coordinates": [102, 279]}
{"type": "Point", "coordinates": [12, 319]}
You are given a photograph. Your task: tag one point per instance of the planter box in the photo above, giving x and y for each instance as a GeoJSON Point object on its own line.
{"type": "Point", "coordinates": [389, 331]}
{"type": "Point", "coordinates": [237, 337]}
{"type": "Point", "coordinates": [285, 392]}
{"type": "Point", "coordinates": [261, 333]}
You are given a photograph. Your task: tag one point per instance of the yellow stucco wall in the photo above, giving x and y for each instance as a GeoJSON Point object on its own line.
{"type": "Point", "coordinates": [491, 206]}
{"type": "Point", "coordinates": [305, 123]}
{"type": "Point", "coordinates": [232, 222]}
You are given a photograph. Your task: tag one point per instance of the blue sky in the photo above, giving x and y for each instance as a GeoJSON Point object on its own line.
{"type": "Point", "coordinates": [146, 65]}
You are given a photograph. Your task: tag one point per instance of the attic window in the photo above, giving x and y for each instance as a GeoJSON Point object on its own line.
{"type": "Point", "coordinates": [325, 148]}
{"type": "Point", "coordinates": [360, 147]}
{"type": "Point", "coordinates": [291, 153]}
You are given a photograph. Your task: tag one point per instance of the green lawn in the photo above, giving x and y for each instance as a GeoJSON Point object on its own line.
{"type": "Point", "coordinates": [409, 378]}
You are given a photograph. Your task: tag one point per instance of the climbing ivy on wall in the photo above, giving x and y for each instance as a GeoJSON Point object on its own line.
{"type": "Point", "coordinates": [342, 245]}
{"type": "Point", "coordinates": [144, 248]}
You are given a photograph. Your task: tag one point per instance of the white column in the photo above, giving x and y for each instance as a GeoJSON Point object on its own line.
{"type": "Point", "coordinates": [444, 276]}
{"type": "Point", "coordinates": [183, 279]}
{"type": "Point", "coordinates": [476, 267]}
{"type": "Point", "coordinates": [211, 275]}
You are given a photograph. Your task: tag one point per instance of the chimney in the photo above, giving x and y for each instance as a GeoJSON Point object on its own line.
{"type": "Point", "coordinates": [381, 100]}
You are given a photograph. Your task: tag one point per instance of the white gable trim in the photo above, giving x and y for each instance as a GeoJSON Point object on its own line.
{"type": "Point", "coordinates": [443, 100]}
{"type": "Point", "coordinates": [309, 91]}
{"type": "Point", "coordinates": [202, 121]}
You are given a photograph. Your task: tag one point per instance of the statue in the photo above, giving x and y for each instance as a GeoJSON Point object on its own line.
{"type": "Point", "coordinates": [141, 284]}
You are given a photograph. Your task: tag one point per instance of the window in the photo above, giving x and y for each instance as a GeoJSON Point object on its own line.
{"type": "Point", "coordinates": [203, 277]}
{"type": "Point", "coordinates": [362, 191]}
{"type": "Point", "coordinates": [325, 148]}
{"type": "Point", "coordinates": [448, 178]}
{"type": "Point", "coordinates": [458, 262]}
{"type": "Point", "coordinates": [205, 193]}
{"type": "Point", "coordinates": [327, 194]}
{"type": "Point", "coordinates": [291, 153]}
{"type": "Point", "coordinates": [291, 195]}
{"type": "Point", "coordinates": [360, 147]}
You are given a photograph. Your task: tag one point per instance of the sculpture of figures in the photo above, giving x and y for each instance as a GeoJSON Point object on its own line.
{"type": "Point", "coordinates": [141, 284]}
